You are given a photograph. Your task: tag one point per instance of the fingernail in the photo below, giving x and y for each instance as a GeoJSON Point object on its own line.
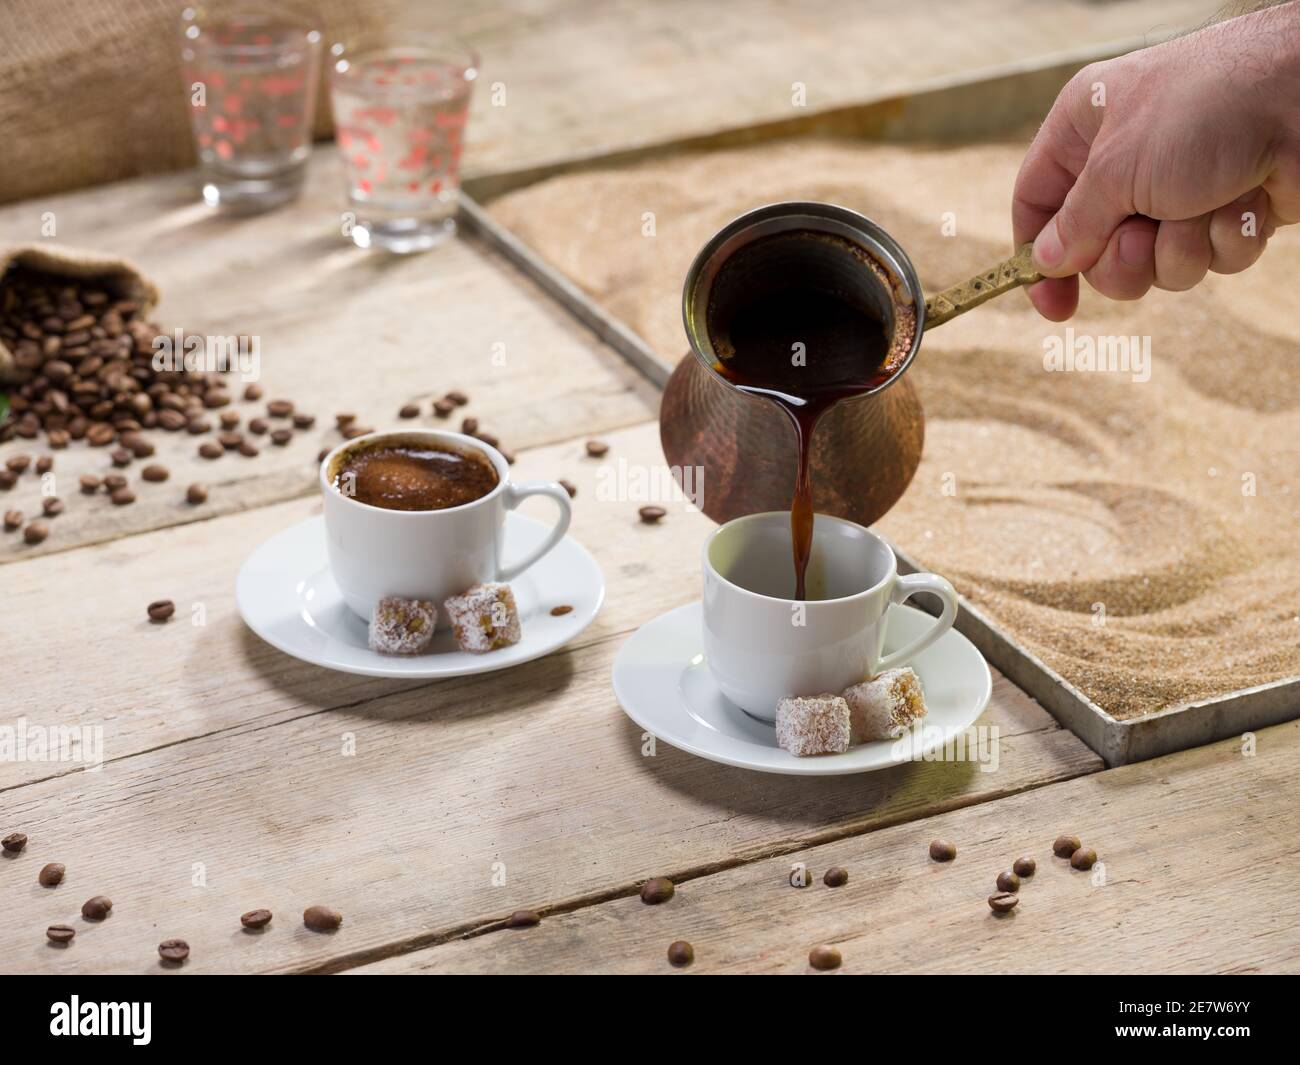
{"type": "Point", "coordinates": [1135, 247]}
{"type": "Point", "coordinates": [1049, 252]}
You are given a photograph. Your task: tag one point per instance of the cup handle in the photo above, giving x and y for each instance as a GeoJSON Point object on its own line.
{"type": "Point", "coordinates": [905, 588]}
{"type": "Point", "coordinates": [516, 494]}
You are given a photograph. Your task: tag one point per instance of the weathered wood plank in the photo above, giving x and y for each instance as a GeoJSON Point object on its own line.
{"type": "Point", "coordinates": [1199, 876]}
{"type": "Point", "coordinates": [339, 330]}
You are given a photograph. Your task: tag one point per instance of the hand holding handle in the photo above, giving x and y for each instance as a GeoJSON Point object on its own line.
{"type": "Point", "coordinates": [1006, 275]}
{"type": "Point", "coordinates": [905, 588]}
{"type": "Point", "coordinates": [516, 494]}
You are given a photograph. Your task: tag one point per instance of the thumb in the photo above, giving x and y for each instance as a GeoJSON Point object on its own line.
{"type": "Point", "coordinates": [1074, 238]}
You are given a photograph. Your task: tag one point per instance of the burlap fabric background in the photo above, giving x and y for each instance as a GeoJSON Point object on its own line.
{"type": "Point", "coordinates": [90, 90]}
{"type": "Point", "coordinates": [114, 274]}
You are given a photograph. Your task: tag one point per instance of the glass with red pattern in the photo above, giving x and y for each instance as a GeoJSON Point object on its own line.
{"type": "Point", "coordinates": [400, 109]}
{"type": "Point", "coordinates": [251, 78]}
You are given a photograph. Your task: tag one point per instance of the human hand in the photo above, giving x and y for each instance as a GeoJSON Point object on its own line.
{"type": "Point", "coordinates": [1158, 166]}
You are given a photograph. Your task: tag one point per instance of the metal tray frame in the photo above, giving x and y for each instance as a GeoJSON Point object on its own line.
{"type": "Point", "coordinates": [950, 112]}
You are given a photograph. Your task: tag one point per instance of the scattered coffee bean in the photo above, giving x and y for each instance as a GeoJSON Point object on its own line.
{"type": "Point", "coordinates": [210, 449]}
{"type": "Point", "coordinates": [138, 445]}
{"type": "Point", "coordinates": [173, 950]}
{"type": "Point", "coordinates": [354, 431]}
{"type": "Point", "coordinates": [1024, 867]}
{"type": "Point", "coordinates": [442, 408]}
{"type": "Point", "coordinates": [1066, 846]}
{"type": "Point", "coordinates": [680, 953]}
{"type": "Point", "coordinates": [1083, 858]}
{"type": "Point", "coordinates": [457, 397]}
{"type": "Point", "coordinates": [198, 426]}
{"type": "Point", "coordinates": [596, 448]}
{"type": "Point", "coordinates": [122, 497]}
{"type": "Point", "coordinates": [1003, 902]}
{"type": "Point", "coordinates": [89, 484]}
{"type": "Point", "coordinates": [836, 876]}
{"type": "Point", "coordinates": [411, 410]}
{"type": "Point", "coordinates": [36, 532]}
{"type": "Point", "coordinates": [1008, 881]}
{"type": "Point", "coordinates": [14, 842]}
{"type": "Point", "coordinates": [344, 420]}
{"type": "Point", "coordinates": [248, 450]}
{"type": "Point", "coordinates": [161, 609]}
{"type": "Point", "coordinates": [96, 908]}
{"type": "Point", "coordinates": [230, 439]}
{"type": "Point", "coordinates": [13, 519]}
{"type": "Point", "coordinates": [18, 463]}
{"type": "Point", "coordinates": [469, 426]}
{"type": "Point", "coordinates": [253, 392]}
{"type": "Point", "coordinates": [60, 933]}
{"type": "Point", "coordinates": [155, 473]}
{"type": "Point", "coordinates": [279, 408]}
{"type": "Point", "coordinates": [258, 426]}
{"type": "Point", "coordinates": [8, 479]}
{"type": "Point", "coordinates": [942, 850]}
{"type": "Point", "coordinates": [52, 505]}
{"type": "Point", "coordinates": [255, 919]}
{"type": "Point", "coordinates": [114, 481]}
{"type": "Point", "coordinates": [572, 489]}
{"type": "Point", "coordinates": [51, 875]}
{"type": "Point", "coordinates": [560, 611]}
{"type": "Point", "coordinates": [321, 918]}
{"type": "Point", "coordinates": [121, 457]}
{"type": "Point", "coordinates": [100, 435]}
{"type": "Point", "coordinates": [229, 419]}
{"type": "Point", "coordinates": [304, 421]}
{"type": "Point", "coordinates": [651, 515]}
{"type": "Point", "coordinates": [656, 890]}
{"type": "Point", "coordinates": [44, 464]}
{"type": "Point", "coordinates": [196, 494]}
{"type": "Point", "coordinates": [216, 399]}
{"type": "Point", "coordinates": [172, 420]}
{"type": "Point", "coordinates": [487, 438]}
{"type": "Point", "coordinates": [824, 957]}
{"type": "Point", "coordinates": [523, 919]}
{"type": "Point", "coordinates": [280, 437]}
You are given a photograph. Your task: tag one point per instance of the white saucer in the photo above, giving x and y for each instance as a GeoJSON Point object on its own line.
{"type": "Point", "coordinates": [287, 596]}
{"type": "Point", "coordinates": [663, 685]}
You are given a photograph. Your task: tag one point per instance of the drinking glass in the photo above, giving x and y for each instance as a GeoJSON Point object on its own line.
{"type": "Point", "coordinates": [400, 107]}
{"type": "Point", "coordinates": [251, 76]}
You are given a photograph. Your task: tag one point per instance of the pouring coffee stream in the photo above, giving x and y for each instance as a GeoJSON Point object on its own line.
{"type": "Point", "coordinates": [813, 310]}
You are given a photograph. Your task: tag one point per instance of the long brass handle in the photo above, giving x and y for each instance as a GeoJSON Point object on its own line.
{"type": "Point", "coordinates": [1006, 275]}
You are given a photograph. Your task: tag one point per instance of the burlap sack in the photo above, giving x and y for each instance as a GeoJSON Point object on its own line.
{"type": "Point", "coordinates": [115, 275]}
{"type": "Point", "coordinates": [91, 90]}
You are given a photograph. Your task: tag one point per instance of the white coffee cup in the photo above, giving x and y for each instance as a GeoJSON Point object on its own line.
{"type": "Point", "coordinates": [761, 644]}
{"type": "Point", "coordinates": [426, 554]}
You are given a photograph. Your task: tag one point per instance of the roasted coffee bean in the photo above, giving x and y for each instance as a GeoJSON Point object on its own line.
{"type": "Point", "coordinates": [96, 908]}
{"type": "Point", "coordinates": [257, 426]}
{"type": "Point", "coordinates": [44, 464]}
{"type": "Point", "coordinates": [18, 463]}
{"type": "Point", "coordinates": [657, 890]}
{"type": "Point", "coordinates": [36, 532]}
{"type": "Point", "coordinates": [196, 494]}
{"type": "Point", "coordinates": [469, 426]}
{"type": "Point", "coordinates": [1003, 902]}
{"type": "Point", "coordinates": [942, 850]}
{"type": "Point", "coordinates": [1066, 846]}
{"type": "Point", "coordinates": [253, 392]}
{"type": "Point", "coordinates": [836, 876]}
{"type": "Point", "coordinates": [122, 497]}
{"type": "Point", "coordinates": [8, 479]}
{"type": "Point", "coordinates": [442, 408]}
{"type": "Point", "coordinates": [229, 419]}
{"type": "Point", "coordinates": [680, 953]}
{"type": "Point", "coordinates": [457, 397]}
{"type": "Point", "coordinates": [1083, 858]}
{"type": "Point", "coordinates": [122, 457]}
{"type": "Point", "coordinates": [52, 505]}
{"type": "Point", "coordinates": [410, 410]}
{"type": "Point", "coordinates": [320, 455]}
{"type": "Point", "coordinates": [596, 448]}
{"type": "Point", "coordinates": [51, 875]}
{"type": "Point", "coordinates": [114, 481]}
{"type": "Point", "coordinates": [1008, 881]}
{"type": "Point", "coordinates": [523, 919]}
{"type": "Point", "coordinates": [173, 950]}
{"type": "Point", "coordinates": [343, 420]}
{"type": "Point", "coordinates": [58, 438]}
{"type": "Point", "coordinates": [60, 933]}
{"type": "Point", "coordinates": [138, 445]}
{"type": "Point", "coordinates": [321, 918]}
{"type": "Point", "coordinates": [210, 449]}
{"type": "Point", "coordinates": [354, 431]}
{"type": "Point", "coordinates": [14, 842]}
{"type": "Point", "coordinates": [651, 515]}
{"type": "Point", "coordinates": [1024, 867]}
{"type": "Point", "coordinates": [171, 420]}
{"type": "Point", "coordinates": [198, 426]}
{"type": "Point", "coordinates": [13, 520]}
{"type": "Point", "coordinates": [560, 611]}
{"type": "Point", "coordinates": [161, 609]}
{"type": "Point", "coordinates": [255, 918]}
{"type": "Point", "coordinates": [279, 408]}
{"type": "Point", "coordinates": [280, 437]}
{"type": "Point", "coordinates": [216, 398]}
{"type": "Point", "coordinates": [824, 957]}
{"type": "Point", "coordinates": [304, 421]}
{"type": "Point", "coordinates": [155, 473]}
{"type": "Point", "coordinates": [249, 451]}
{"type": "Point", "coordinates": [230, 439]}
{"type": "Point", "coordinates": [100, 434]}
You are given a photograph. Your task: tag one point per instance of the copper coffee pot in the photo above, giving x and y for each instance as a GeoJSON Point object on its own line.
{"type": "Point", "coordinates": [744, 444]}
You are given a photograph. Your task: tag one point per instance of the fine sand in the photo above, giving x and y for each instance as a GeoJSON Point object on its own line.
{"type": "Point", "coordinates": [1139, 537]}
